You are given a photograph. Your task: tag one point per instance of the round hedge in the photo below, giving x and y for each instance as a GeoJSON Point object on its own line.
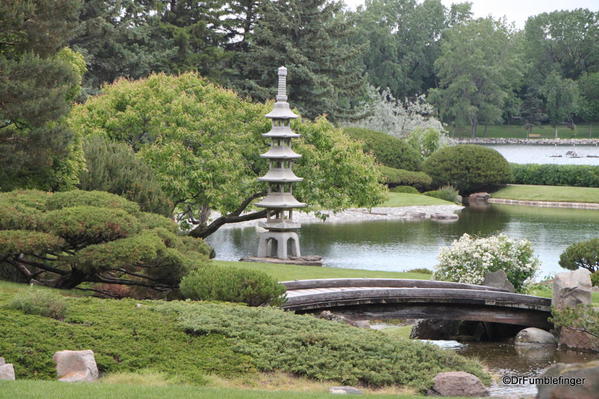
{"type": "Point", "coordinates": [469, 168]}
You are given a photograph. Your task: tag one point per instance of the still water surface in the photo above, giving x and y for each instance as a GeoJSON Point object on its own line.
{"type": "Point", "coordinates": [403, 245]}
{"type": "Point", "coordinates": [561, 154]}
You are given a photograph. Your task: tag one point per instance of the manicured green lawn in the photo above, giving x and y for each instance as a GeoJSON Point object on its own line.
{"type": "Point", "coordinates": [513, 131]}
{"type": "Point", "coordinates": [548, 193]}
{"type": "Point", "coordinates": [298, 272]}
{"type": "Point", "coordinates": [404, 199]}
{"type": "Point", "coordinates": [27, 389]}
{"type": "Point", "coordinates": [545, 290]}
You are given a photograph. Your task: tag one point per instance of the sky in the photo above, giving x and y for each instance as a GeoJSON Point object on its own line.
{"type": "Point", "coordinates": [515, 10]}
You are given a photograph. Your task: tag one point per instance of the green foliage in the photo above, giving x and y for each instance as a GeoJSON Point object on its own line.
{"type": "Point", "coordinates": [469, 259]}
{"type": "Point", "coordinates": [584, 254]}
{"type": "Point", "coordinates": [447, 193]}
{"type": "Point", "coordinates": [478, 68]}
{"type": "Point", "coordinates": [203, 143]}
{"type": "Point", "coordinates": [320, 349]}
{"type": "Point", "coordinates": [583, 318]}
{"type": "Point", "coordinates": [90, 236]}
{"type": "Point", "coordinates": [422, 270]}
{"type": "Point", "coordinates": [388, 150]}
{"type": "Point", "coordinates": [425, 141]}
{"type": "Point", "coordinates": [595, 279]}
{"type": "Point", "coordinates": [37, 83]}
{"type": "Point", "coordinates": [40, 302]}
{"type": "Point", "coordinates": [210, 282]}
{"type": "Point", "coordinates": [404, 189]}
{"type": "Point", "coordinates": [555, 175]}
{"type": "Point", "coordinates": [113, 167]}
{"type": "Point", "coordinates": [469, 168]}
{"type": "Point", "coordinates": [392, 177]}
{"type": "Point", "coordinates": [561, 99]}
{"type": "Point", "coordinates": [588, 86]}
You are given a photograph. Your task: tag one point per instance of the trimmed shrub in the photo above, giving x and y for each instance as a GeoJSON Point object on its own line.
{"type": "Point", "coordinates": [113, 167]}
{"type": "Point", "coordinates": [447, 193]}
{"type": "Point", "coordinates": [583, 318]}
{"type": "Point", "coordinates": [404, 189]}
{"type": "Point", "coordinates": [68, 199]}
{"type": "Point", "coordinates": [388, 150]}
{"type": "Point", "coordinates": [469, 168]}
{"type": "Point", "coordinates": [40, 302]}
{"type": "Point", "coordinates": [583, 254]}
{"type": "Point", "coordinates": [469, 259]}
{"type": "Point", "coordinates": [555, 175]}
{"type": "Point", "coordinates": [400, 177]}
{"type": "Point", "coordinates": [211, 282]}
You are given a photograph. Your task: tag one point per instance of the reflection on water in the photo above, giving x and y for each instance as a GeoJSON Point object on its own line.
{"type": "Point", "coordinates": [562, 154]}
{"type": "Point", "coordinates": [402, 245]}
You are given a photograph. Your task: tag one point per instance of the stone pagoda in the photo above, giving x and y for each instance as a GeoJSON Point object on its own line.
{"type": "Point", "coordinates": [280, 240]}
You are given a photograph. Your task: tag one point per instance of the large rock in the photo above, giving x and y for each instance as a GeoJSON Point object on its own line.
{"type": "Point", "coordinates": [535, 336]}
{"type": "Point", "coordinates": [7, 372]}
{"type": "Point", "coordinates": [435, 329]}
{"type": "Point", "coordinates": [580, 340]}
{"type": "Point", "coordinates": [572, 288]}
{"type": "Point", "coordinates": [499, 280]}
{"type": "Point", "coordinates": [2, 361]}
{"type": "Point", "coordinates": [76, 366]}
{"type": "Point", "coordinates": [578, 381]}
{"type": "Point", "coordinates": [458, 383]}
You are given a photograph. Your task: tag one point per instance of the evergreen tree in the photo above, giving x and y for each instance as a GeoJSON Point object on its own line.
{"type": "Point", "coordinates": [311, 38]}
{"type": "Point", "coordinates": [38, 81]}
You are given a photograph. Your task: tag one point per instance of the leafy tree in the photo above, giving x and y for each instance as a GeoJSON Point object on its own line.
{"type": "Point", "coordinates": [203, 142]}
{"type": "Point", "coordinates": [583, 318]}
{"type": "Point", "coordinates": [65, 239]}
{"type": "Point", "coordinates": [403, 41]}
{"type": "Point", "coordinates": [310, 37]}
{"type": "Point", "coordinates": [113, 167]}
{"type": "Point", "coordinates": [38, 82]}
{"type": "Point", "coordinates": [566, 40]}
{"type": "Point", "coordinates": [478, 68]}
{"type": "Point", "coordinates": [584, 254]}
{"type": "Point", "coordinates": [561, 99]}
{"type": "Point", "coordinates": [588, 86]}
{"type": "Point", "coordinates": [532, 109]}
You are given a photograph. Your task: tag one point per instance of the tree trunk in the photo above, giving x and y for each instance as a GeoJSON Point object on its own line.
{"type": "Point", "coordinates": [555, 128]}
{"type": "Point", "coordinates": [474, 127]}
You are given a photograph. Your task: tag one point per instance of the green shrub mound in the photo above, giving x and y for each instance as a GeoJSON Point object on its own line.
{"type": "Point", "coordinates": [447, 193]}
{"type": "Point", "coordinates": [40, 302]}
{"type": "Point", "coordinates": [326, 351]}
{"type": "Point", "coordinates": [583, 318]}
{"type": "Point", "coordinates": [555, 175]}
{"type": "Point", "coordinates": [388, 150]}
{"type": "Point", "coordinates": [584, 254]}
{"type": "Point", "coordinates": [69, 238]}
{"type": "Point", "coordinates": [211, 282]}
{"type": "Point", "coordinates": [595, 279]}
{"type": "Point", "coordinates": [400, 177]}
{"type": "Point", "coordinates": [469, 168]}
{"type": "Point", "coordinates": [405, 190]}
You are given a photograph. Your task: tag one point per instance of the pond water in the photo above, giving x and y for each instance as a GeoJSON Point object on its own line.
{"type": "Point", "coordinates": [403, 245]}
{"type": "Point", "coordinates": [562, 154]}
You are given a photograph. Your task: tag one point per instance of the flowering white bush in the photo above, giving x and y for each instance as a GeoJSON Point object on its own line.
{"type": "Point", "coordinates": [468, 259]}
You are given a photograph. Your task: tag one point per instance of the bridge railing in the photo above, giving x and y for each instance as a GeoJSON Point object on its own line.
{"type": "Point", "coordinates": [381, 282]}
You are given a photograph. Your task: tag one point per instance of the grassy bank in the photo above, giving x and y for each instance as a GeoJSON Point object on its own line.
{"type": "Point", "coordinates": [404, 199]}
{"type": "Point", "coordinates": [26, 389]}
{"type": "Point", "coordinates": [548, 193]}
{"type": "Point", "coordinates": [194, 343]}
{"type": "Point", "coordinates": [544, 131]}
{"type": "Point", "coordinates": [298, 272]}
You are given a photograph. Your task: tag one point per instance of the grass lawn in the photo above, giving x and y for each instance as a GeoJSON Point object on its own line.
{"type": "Point", "coordinates": [404, 199]}
{"type": "Point", "coordinates": [548, 193]}
{"type": "Point", "coordinates": [27, 389]}
{"type": "Point", "coordinates": [298, 272]}
{"type": "Point", "coordinates": [545, 131]}
{"type": "Point", "coordinates": [546, 290]}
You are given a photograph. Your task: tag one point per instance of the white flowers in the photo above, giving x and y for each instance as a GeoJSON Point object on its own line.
{"type": "Point", "coordinates": [468, 259]}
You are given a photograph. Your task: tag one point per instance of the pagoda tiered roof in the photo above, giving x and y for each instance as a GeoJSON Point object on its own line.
{"type": "Point", "coordinates": [281, 110]}
{"type": "Point", "coordinates": [280, 201]}
{"type": "Point", "coordinates": [280, 152]}
{"type": "Point", "coordinates": [281, 132]}
{"type": "Point", "coordinates": [280, 175]}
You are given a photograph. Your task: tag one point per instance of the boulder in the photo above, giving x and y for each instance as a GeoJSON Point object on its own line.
{"type": "Point", "coordinates": [580, 340]}
{"type": "Point", "coordinates": [435, 329]}
{"type": "Point", "coordinates": [578, 381]}
{"type": "Point", "coordinates": [76, 366]}
{"type": "Point", "coordinates": [535, 336]}
{"type": "Point", "coordinates": [2, 361]}
{"type": "Point", "coordinates": [572, 288]}
{"type": "Point", "coordinates": [499, 280]}
{"type": "Point", "coordinates": [7, 372]}
{"type": "Point", "coordinates": [345, 391]}
{"type": "Point", "coordinates": [458, 383]}
{"type": "Point", "coordinates": [478, 197]}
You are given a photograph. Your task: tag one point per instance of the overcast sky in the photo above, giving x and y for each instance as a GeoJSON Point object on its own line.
{"type": "Point", "coordinates": [515, 10]}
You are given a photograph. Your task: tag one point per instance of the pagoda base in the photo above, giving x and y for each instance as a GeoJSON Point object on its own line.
{"type": "Point", "coordinates": [311, 260]}
{"type": "Point", "coordinates": [278, 244]}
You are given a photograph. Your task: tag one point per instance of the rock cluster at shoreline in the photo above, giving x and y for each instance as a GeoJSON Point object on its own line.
{"type": "Point", "coordinates": [479, 140]}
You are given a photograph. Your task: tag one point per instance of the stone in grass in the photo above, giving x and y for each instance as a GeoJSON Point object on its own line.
{"type": "Point", "coordinates": [7, 372]}
{"type": "Point", "coordinates": [345, 391]}
{"type": "Point", "coordinates": [535, 336]}
{"type": "Point", "coordinates": [578, 381]}
{"type": "Point", "coordinates": [76, 366]}
{"type": "Point", "coordinates": [2, 361]}
{"type": "Point", "coordinates": [499, 280]}
{"type": "Point", "coordinates": [458, 383]}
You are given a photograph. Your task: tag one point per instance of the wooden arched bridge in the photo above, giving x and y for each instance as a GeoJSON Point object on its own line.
{"type": "Point", "coordinates": [373, 298]}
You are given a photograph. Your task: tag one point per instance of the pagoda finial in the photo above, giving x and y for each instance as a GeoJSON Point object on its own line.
{"type": "Point", "coordinates": [282, 91]}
